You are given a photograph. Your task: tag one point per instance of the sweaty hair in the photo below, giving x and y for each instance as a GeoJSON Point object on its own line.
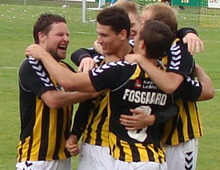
{"type": "Point", "coordinates": [115, 17]}
{"type": "Point", "coordinates": [43, 24]}
{"type": "Point", "coordinates": [157, 37]}
{"type": "Point", "coordinates": [164, 13]}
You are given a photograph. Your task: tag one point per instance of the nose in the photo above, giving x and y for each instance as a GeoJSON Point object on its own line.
{"type": "Point", "coordinates": [99, 39]}
{"type": "Point", "coordinates": [66, 38]}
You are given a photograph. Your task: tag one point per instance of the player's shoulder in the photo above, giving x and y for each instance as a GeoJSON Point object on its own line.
{"type": "Point", "coordinates": [178, 44]}
{"type": "Point", "coordinates": [118, 64]}
{"type": "Point", "coordinates": [30, 64]}
{"type": "Point", "coordinates": [63, 63]}
{"type": "Point", "coordinates": [114, 67]}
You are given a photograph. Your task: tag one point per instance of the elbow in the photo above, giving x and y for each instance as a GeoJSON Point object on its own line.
{"type": "Point", "coordinates": [169, 89]}
{"type": "Point", "coordinates": [53, 104]}
{"type": "Point", "coordinates": [68, 87]}
{"type": "Point", "coordinates": [207, 95]}
{"type": "Point", "coordinates": [210, 94]}
{"type": "Point", "coordinates": [67, 84]}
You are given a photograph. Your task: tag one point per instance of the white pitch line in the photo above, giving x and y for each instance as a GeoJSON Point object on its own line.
{"type": "Point", "coordinates": [216, 89]}
{"type": "Point", "coordinates": [86, 33]}
{"type": "Point", "coordinates": [9, 68]}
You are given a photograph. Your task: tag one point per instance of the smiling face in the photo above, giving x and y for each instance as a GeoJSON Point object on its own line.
{"type": "Point", "coordinates": [108, 39]}
{"type": "Point", "coordinates": [56, 40]}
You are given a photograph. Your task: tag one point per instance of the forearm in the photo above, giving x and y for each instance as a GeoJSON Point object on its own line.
{"type": "Point", "coordinates": [66, 78]}
{"type": "Point", "coordinates": [57, 99]}
{"type": "Point", "coordinates": [168, 82]}
{"type": "Point", "coordinates": [163, 116]}
{"type": "Point", "coordinates": [181, 33]}
{"type": "Point", "coordinates": [80, 54]}
{"type": "Point", "coordinates": [60, 74]}
{"type": "Point", "coordinates": [81, 118]}
{"type": "Point", "coordinates": [205, 80]}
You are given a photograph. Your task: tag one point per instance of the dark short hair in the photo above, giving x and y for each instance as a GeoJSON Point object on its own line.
{"type": "Point", "coordinates": [157, 37]}
{"type": "Point", "coordinates": [44, 22]}
{"type": "Point", "coordinates": [115, 17]}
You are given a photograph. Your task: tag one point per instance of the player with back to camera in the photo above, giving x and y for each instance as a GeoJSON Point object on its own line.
{"type": "Point", "coordinates": [182, 131]}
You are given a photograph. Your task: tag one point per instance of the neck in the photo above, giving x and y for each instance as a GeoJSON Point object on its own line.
{"type": "Point", "coordinates": [123, 51]}
{"type": "Point", "coordinates": [111, 58]}
{"type": "Point", "coordinates": [153, 61]}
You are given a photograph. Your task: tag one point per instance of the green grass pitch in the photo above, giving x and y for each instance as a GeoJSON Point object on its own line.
{"type": "Point", "coordinates": [16, 23]}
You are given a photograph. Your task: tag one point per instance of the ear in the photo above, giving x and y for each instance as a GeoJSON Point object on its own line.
{"type": "Point", "coordinates": [123, 34]}
{"type": "Point", "coordinates": [142, 47]}
{"type": "Point", "coordinates": [42, 37]}
{"type": "Point", "coordinates": [142, 44]}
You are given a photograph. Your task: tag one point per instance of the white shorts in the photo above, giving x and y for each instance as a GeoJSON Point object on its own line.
{"type": "Point", "coordinates": [93, 157]}
{"type": "Point", "coordinates": [45, 165]}
{"type": "Point", "coordinates": [182, 156]}
{"type": "Point", "coordinates": [121, 165]}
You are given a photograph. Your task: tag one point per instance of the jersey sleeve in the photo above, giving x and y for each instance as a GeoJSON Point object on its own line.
{"type": "Point", "coordinates": [81, 118]}
{"type": "Point", "coordinates": [163, 115]}
{"type": "Point", "coordinates": [82, 53]}
{"type": "Point", "coordinates": [33, 77]}
{"type": "Point", "coordinates": [180, 61]}
{"type": "Point", "coordinates": [112, 75]}
{"type": "Point", "coordinates": [181, 33]}
{"type": "Point", "coordinates": [191, 89]}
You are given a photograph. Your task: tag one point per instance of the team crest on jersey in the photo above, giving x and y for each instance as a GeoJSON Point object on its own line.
{"type": "Point", "coordinates": [138, 83]}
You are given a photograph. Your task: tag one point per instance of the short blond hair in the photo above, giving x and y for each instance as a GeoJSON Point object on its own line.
{"type": "Point", "coordinates": [129, 7]}
{"type": "Point", "coordinates": [164, 13]}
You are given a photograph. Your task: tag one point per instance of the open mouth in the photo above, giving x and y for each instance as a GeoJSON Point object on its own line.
{"type": "Point", "coordinates": [62, 47]}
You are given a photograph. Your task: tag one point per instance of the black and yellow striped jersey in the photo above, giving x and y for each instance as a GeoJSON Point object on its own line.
{"type": "Point", "coordinates": [92, 117]}
{"type": "Point", "coordinates": [44, 131]}
{"type": "Point", "coordinates": [187, 124]}
{"type": "Point", "coordinates": [130, 88]}
{"type": "Point", "coordinates": [184, 126]}
{"type": "Point", "coordinates": [97, 129]}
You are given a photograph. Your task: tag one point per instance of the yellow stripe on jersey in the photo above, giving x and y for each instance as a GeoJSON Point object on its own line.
{"type": "Point", "coordinates": [52, 137]}
{"type": "Point", "coordinates": [48, 133]}
{"type": "Point", "coordinates": [23, 149]}
{"type": "Point", "coordinates": [185, 126]}
{"type": "Point", "coordinates": [37, 130]}
{"type": "Point", "coordinates": [62, 147]}
{"type": "Point", "coordinates": [136, 152]}
{"type": "Point", "coordinates": [136, 73]}
{"type": "Point", "coordinates": [96, 132]}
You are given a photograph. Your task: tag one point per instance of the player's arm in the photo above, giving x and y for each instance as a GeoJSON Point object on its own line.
{"type": "Point", "coordinates": [190, 37]}
{"type": "Point", "coordinates": [196, 89]}
{"type": "Point", "coordinates": [67, 79]}
{"type": "Point", "coordinates": [81, 118]}
{"type": "Point", "coordinates": [205, 80]}
{"type": "Point", "coordinates": [83, 59]}
{"type": "Point", "coordinates": [141, 120]}
{"type": "Point", "coordinates": [79, 125]}
{"type": "Point", "coordinates": [72, 145]}
{"type": "Point", "coordinates": [168, 82]}
{"type": "Point", "coordinates": [180, 64]}
{"type": "Point", "coordinates": [58, 99]}
{"type": "Point", "coordinates": [34, 78]}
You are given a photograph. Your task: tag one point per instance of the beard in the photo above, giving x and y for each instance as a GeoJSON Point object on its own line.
{"type": "Point", "coordinates": [55, 55]}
